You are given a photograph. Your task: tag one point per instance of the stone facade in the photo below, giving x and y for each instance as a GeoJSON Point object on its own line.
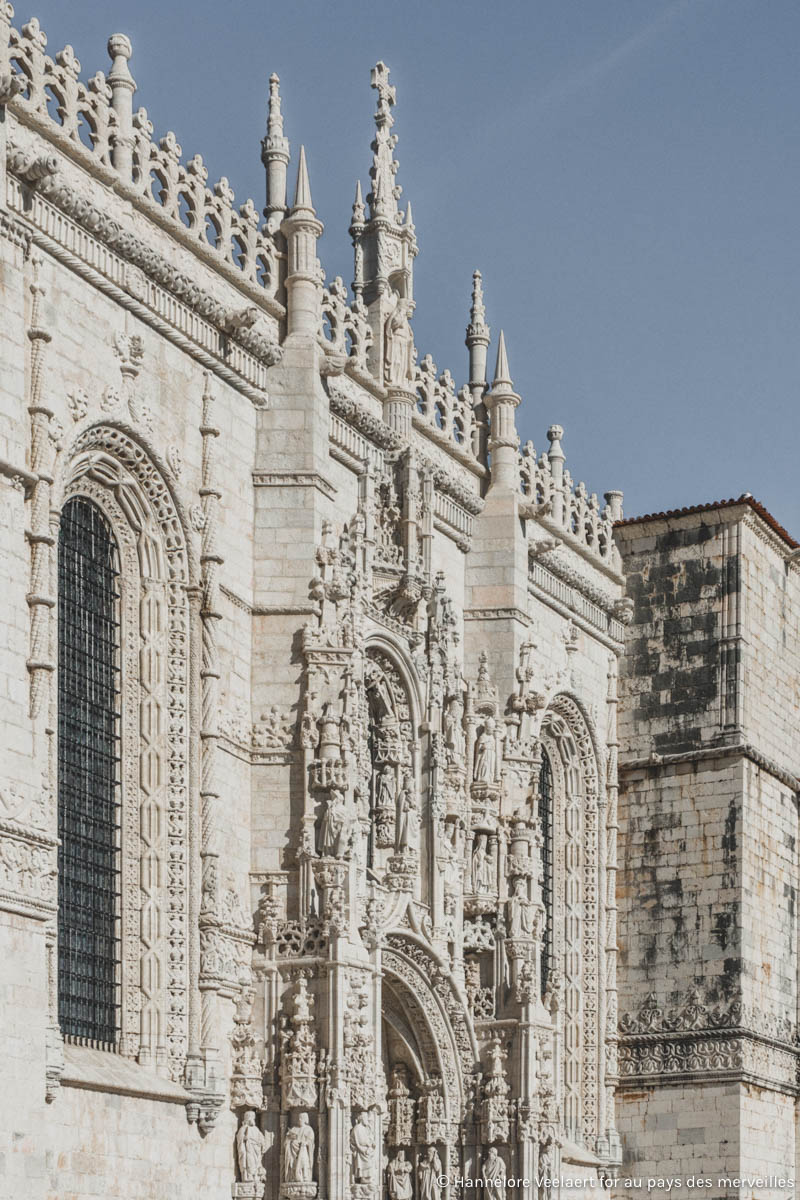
{"type": "Point", "coordinates": [362, 943]}
{"type": "Point", "coordinates": [708, 822]}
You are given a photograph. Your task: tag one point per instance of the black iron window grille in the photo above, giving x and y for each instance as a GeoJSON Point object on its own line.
{"type": "Point", "coordinates": [546, 829]}
{"type": "Point", "coordinates": [88, 788]}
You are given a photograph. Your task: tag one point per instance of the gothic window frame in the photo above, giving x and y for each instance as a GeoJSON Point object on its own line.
{"type": "Point", "coordinates": [89, 833]}
{"type": "Point", "coordinates": [159, 941]}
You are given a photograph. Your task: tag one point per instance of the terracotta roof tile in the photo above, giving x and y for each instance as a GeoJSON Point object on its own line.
{"type": "Point", "coordinates": [747, 499]}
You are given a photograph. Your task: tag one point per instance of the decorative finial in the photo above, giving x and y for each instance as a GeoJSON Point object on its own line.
{"type": "Point", "coordinates": [409, 221]}
{"type": "Point", "coordinates": [358, 206]}
{"type": "Point", "coordinates": [302, 191]}
{"type": "Point", "coordinates": [502, 376]}
{"type": "Point", "coordinates": [383, 198]}
{"type": "Point", "coordinates": [275, 118]}
{"type": "Point", "coordinates": [275, 156]}
{"type": "Point", "coordinates": [477, 330]}
{"type": "Point", "coordinates": [554, 435]}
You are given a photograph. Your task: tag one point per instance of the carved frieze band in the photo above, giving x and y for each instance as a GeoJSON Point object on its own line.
{"type": "Point", "coordinates": [27, 853]}
{"type": "Point", "coordinates": [82, 231]}
{"type": "Point", "coordinates": [698, 1038]}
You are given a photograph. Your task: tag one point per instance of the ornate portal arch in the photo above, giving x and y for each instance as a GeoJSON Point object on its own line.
{"type": "Point", "coordinates": [416, 984]}
{"type": "Point", "coordinates": [570, 740]}
{"type": "Point", "coordinates": [108, 464]}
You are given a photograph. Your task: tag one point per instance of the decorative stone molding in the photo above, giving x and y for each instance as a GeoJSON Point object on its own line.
{"type": "Point", "coordinates": [698, 1037]}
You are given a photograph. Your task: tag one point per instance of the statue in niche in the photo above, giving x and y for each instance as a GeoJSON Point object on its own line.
{"type": "Point", "coordinates": [250, 1147]}
{"type": "Point", "coordinates": [486, 754]}
{"type": "Point", "coordinates": [482, 875]}
{"type": "Point", "coordinates": [519, 911]}
{"type": "Point", "coordinates": [399, 354]}
{"type": "Point", "coordinates": [453, 727]}
{"type": "Point", "coordinates": [337, 827]}
{"type": "Point", "coordinates": [407, 816]}
{"type": "Point", "coordinates": [430, 1169]}
{"type": "Point", "coordinates": [362, 1147]}
{"type": "Point", "coordinates": [385, 788]}
{"type": "Point", "coordinates": [398, 1177]}
{"type": "Point", "coordinates": [298, 1152]}
{"type": "Point", "coordinates": [494, 1175]}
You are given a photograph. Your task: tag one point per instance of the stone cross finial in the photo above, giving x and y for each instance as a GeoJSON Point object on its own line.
{"type": "Point", "coordinates": [387, 95]}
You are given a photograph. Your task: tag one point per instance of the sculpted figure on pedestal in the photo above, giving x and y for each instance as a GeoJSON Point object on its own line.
{"type": "Point", "coordinates": [407, 816]}
{"type": "Point", "coordinates": [362, 1146]}
{"type": "Point", "coordinates": [430, 1169]}
{"type": "Point", "coordinates": [519, 911]}
{"type": "Point", "coordinates": [336, 829]}
{"type": "Point", "coordinates": [481, 867]}
{"type": "Point", "coordinates": [486, 754]}
{"type": "Point", "coordinates": [399, 355]}
{"type": "Point", "coordinates": [398, 1178]}
{"type": "Point", "coordinates": [250, 1146]}
{"type": "Point", "coordinates": [494, 1175]}
{"type": "Point", "coordinates": [298, 1152]}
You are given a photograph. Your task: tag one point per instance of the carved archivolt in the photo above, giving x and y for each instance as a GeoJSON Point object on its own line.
{"type": "Point", "coordinates": [438, 1014]}
{"type": "Point", "coordinates": [112, 469]}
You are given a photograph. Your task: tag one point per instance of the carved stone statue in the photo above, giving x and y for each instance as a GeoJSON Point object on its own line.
{"type": "Point", "coordinates": [385, 788]}
{"type": "Point", "coordinates": [453, 727]}
{"type": "Point", "coordinates": [519, 911]}
{"type": "Point", "coordinates": [481, 867]}
{"type": "Point", "coordinates": [486, 754]}
{"type": "Point", "coordinates": [298, 1152]}
{"type": "Point", "coordinates": [494, 1175]}
{"type": "Point", "coordinates": [407, 816]}
{"type": "Point", "coordinates": [336, 829]}
{"type": "Point", "coordinates": [398, 1178]}
{"type": "Point", "coordinates": [399, 353]}
{"type": "Point", "coordinates": [362, 1147]}
{"type": "Point", "coordinates": [430, 1169]}
{"type": "Point", "coordinates": [250, 1147]}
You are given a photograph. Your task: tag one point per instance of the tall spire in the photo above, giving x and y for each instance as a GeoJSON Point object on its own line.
{"type": "Point", "coordinates": [384, 241]}
{"type": "Point", "coordinates": [383, 198]}
{"type": "Point", "coordinates": [302, 191]}
{"type": "Point", "coordinates": [275, 155]}
{"type": "Point", "coordinates": [502, 402]}
{"type": "Point", "coordinates": [301, 229]}
{"type": "Point", "coordinates": [501, 372]}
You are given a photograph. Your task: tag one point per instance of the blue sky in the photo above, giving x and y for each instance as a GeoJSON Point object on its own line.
{"type": "Point", "coordinates": [624, 172]}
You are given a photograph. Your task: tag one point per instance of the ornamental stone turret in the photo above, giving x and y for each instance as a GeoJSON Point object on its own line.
{"type": "Point", "coordinates": [303, 280]}
{"type": "Point", "coordinates": [502, 402]}
{"type": "Point", "coordinates": [122, 86]}
{"type": "Point", "coordinates": [384, 243]}
{"type": "Point", "coordinates": [275, 157]}
{"type": "Point", "coordinates": [477, 342]}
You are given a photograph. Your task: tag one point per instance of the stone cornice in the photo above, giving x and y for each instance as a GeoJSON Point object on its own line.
{"type": "Point", "coordinates": [566, 600]}
{"type": "Point", "coordinates": [294, 479]}
{"type": "Point", "coordinates": [72, 229]}
{"type": "Point", "coordinates": [733, 750]}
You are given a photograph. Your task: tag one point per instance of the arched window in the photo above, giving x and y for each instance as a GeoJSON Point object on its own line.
{"type": "Point", "coordinates": [88, 775]}
{"type": "Point", "coordinates": [546, 829]}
